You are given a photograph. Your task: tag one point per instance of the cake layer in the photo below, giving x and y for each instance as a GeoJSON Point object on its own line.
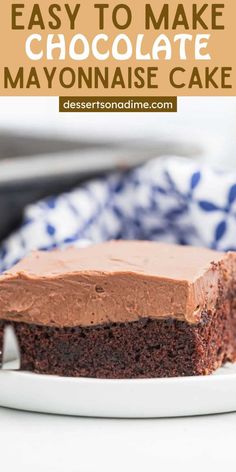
{"type": "Point", "coordinates": [114, 282]}
{"type": "Point", "coordinates": [141, 349]}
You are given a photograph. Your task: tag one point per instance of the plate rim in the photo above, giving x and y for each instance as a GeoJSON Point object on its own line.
{"type": "Point", "coordinates": [214, 377]}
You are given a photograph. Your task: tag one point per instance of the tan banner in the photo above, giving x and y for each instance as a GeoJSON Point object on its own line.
{"type": "Point", "coordinates": [113, 49]}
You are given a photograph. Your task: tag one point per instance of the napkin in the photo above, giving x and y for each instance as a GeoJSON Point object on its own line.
{"type": "Point", "coordinates": [176, 200]}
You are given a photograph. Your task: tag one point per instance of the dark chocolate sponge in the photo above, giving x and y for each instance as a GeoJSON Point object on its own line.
{"type": "Point", "coordinates": [142, 349]}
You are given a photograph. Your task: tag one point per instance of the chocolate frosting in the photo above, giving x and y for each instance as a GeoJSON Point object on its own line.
{"type": "Point", "coordinates": [118, 281]}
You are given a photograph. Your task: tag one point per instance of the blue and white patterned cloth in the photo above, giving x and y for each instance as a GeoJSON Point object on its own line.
{"type": "Point", "coordinates": [171, 199]}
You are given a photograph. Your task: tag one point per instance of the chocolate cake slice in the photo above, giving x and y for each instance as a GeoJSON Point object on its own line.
{"type": "Point", "coordinates": [125, 309]}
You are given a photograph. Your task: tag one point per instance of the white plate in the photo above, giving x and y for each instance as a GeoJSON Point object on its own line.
{"type": "Point", "coordinates": [139, 398]}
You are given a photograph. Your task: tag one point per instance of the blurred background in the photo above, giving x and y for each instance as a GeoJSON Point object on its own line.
{"type": "Point", "coordinates": [43, 152]}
